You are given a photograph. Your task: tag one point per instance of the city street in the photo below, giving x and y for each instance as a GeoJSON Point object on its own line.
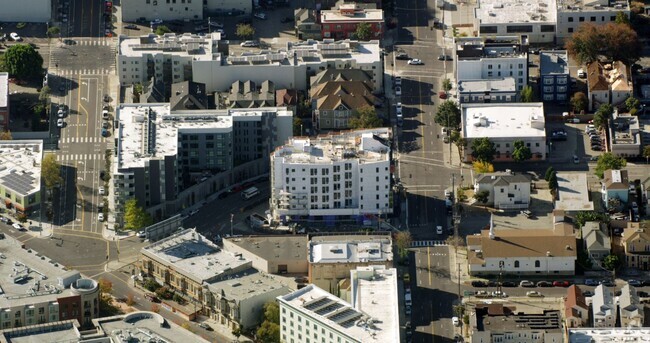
{"type": "Point", "coordinates": [85, 18]}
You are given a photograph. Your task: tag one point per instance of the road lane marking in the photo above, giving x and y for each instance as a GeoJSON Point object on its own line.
{"type": "Point", "coordinates": [429, 264]}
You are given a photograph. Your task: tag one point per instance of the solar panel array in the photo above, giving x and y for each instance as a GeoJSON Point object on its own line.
{"type": "Point", "coordinates": [22, 183]}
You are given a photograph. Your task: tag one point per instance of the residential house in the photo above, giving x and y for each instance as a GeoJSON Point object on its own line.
{"type": "Point", "coordinates": [286, 98]}
{"type": "Point", "coordinates": [246, 94]}
{"type": "Point", "coordinates": [615, 188]}
{"type": "Point", "coordinates": [507, 190]}
{"type": "Point", "coordinates": [335, 102]}
{"type": "Point", "coordinates": [488, 91]}
{"type": "Point", "coordinates": [631, 310]}
{"type": "Point", "coordinates": [4, 101]}
{"type": "Point", "coordinates": [336, 74]}
{"type": "Point", "coordinates": [595, 240]}
{"type": "Point", "coordinates": [342, 23]}
{"type": "Point", "coordinates": [603, 307]}
{"type": "Point", "coordinates": [555, 81]}
{"type": "Point", "coordinates": [188, 95]}
{"type": "Point", "coordinates": [626, 134]}
{"type": "Point", "coordinates": [636, 245]}
{"type": "Point", "coordinates": [576, 311]}
{"type": "Point", "coordinates": [520, 251]}
{"type": "Point", "coordinates": [608, 83]}
{"type": "Point", "coordinates": [307, 24]}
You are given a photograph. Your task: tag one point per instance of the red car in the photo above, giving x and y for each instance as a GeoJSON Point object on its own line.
{"type": "Point", "coordinates": [442, 95]}
{"type": "Point", "coordinates": [561, 284]}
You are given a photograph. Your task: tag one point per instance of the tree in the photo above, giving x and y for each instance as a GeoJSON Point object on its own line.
{"type": "Point", "coordinates": [602, 115]}
{"type": "Point", "coordinates": [611, 262]}
{"type": "Point", "coordinates": [272, 312]}
{"type": "Point", "coordinates": [620, 42]}
{"type": "Point", "coordinates": [23, 61]}
{"type": "Point", "coordinates": [482, 196]}
{"type": "Point", "coordinates": [483, 167]}
{"type": "Point", "coordinates": [51, 171]}
{"type": "Point", "coordinates": [162, 29]}
{"type": "Point", "coordinates": [583, 45]}
{"type": "Point", "coordinates": [135, 217]}
{"type": "Point", "coordinates": [483, 150]}
{"type": "Point", "coordinates": [105, 286]}
{"type": "Point", "coordinates": [579, 102]}
{"type": "Point", "coordinates": [365, 118]}
{"type": "Point", "coordinates": [297, 126]}
{"type": "Point", "coordinates": [21, 217]}
{"type": "Point", "coordinates": [521, 152]}
{"type": "Point", "coordinates": [460, 142]}
{"type": "Point", "coordinates": [460, 194]}
{"type": "Point", "coordinates": [5, 136]}
{"type": "Point", "coordinates": [236, 332]}
{"type": "Point", "coordinates": [269, 332]}
{"type": "Point", "coordinates": [632, 103]}
{"type": "Point", "coordinates": [550, 171]}
{"type": "Point", "coordinates": [53, 31]}
{"type": "Point", "coordinates": [448, 114]}
{"type": "Point", "coordinates": [403, 240]}
{"type": "Point", "coordinates": [245, 31]}
{"type": "Point", "coordinates": [363, 31]}
{"type": "Point", "coordinates": [446, 85]}
{"type": "Point", "coordinates": [527, 94]}
{"type": "Point", "coordinates": [608, 161]}
{"type": "Point", "coordinates": [637, 7]}
{"type": "Point", "coordinates": [621, 18]}
{"type": "Point", "coordinates": [45, 93]}
{"type": "Point", "coordinates": [552, 182]}
{"type": "Point", "coordinates": [646, 153]}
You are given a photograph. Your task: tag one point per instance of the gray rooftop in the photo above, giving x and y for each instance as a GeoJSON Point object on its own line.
{"type": "Point", "coordinates": [499, 318]}
{"type": "Point", "coordinates": [595, 237]}
{"type": "Point", "coordinates": [283, 247]}
{"type": "Point", "coordinates": [145, 327]}
{"type": "Point", "coordinates": [247, 284]}
{"type": "Point", "coordinates": [573, 192]}
{"type": "Point", "coordinates": [63, 331]}
{"type": "Point", "coordinates": [515, 11]}
{"type": "Point", "coordinates": [353, 249]}
{"type": "Point", "coordinates": [500, 177]}
{"type": "Point", "coordinates": [20, 165]}
{"type": "Point", "coordinates": [506, 84]}
{"type": "Point", "coordinates": [553, 62]}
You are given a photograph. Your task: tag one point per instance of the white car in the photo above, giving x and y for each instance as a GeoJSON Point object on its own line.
{"type": "Point", "coordinates": [102, 191]}
{"type": "Point", "coordinates": [415, 61]}
{"type": "Point", "coordinates": [398, 108]}
{"type": "Point", "coordinates": [534, 294]}
{"type": "Point", "coordinates": [398, 81]}
{"type": "Point", "coordinates": [260, 16]}
{"type": "Point", "coordinates": [439, 230]}
{"type": "Point", "coordinates": [249, 44]}
{"type": "Point", "coordinates": [100, 217]}
{"type": "Point", "coordinates": [61, 113]}
{"type": "Point", "coordinates": [576, 160]}
{"type": "Point", "coordinates": [142, 234]}
{"type": "Point", "coordinates": [105, 114]}
{"type": "Point", "coordinates": [59, 122]}
{"type": "Point", "coordinates": [156, 22]}
{"type": "Point", "coordinates": [18, 227]}
{"type": "Point", "coordinates": [398, 91]}
{"type": "Point", "coordinates": [14, 36]}
{"type": "Point", "coordinates": [581, 73]}
{"type": "Point", "coordinates": [455, 321]}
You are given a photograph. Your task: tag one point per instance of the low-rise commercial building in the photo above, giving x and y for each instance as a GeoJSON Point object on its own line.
{"type": "Point", "coordinates": [507, 190]}
{"type": "Point", "coordinates": [503, 323]}
{"type": "Point", "coordinates": [504, 124]}
{"type": "Point", "coordinates": [225, 285]}
{"type": "Point", "coordinates": [536, 20]}
{"type": "Point", "coordinates": [38, 290]}
{"type": "Point", "coordinates": [555, 81]}
{"type": "Point", "coordinates": [273, 254]}
{"type": "Point", "coordinates": [133, 10]}
{"type": "Point", "coordinates": [488, 91]}
{"type": "Point", "coordinates": [341, 175]}
{"type": "Point", "coordinates": [342, 22]}
{"type": "Point", "coordinates": [603, 307]}
{"type": "Point", "coordinates": [20, 175]}
{"type": "Point", "coordinates": [331, 258]}
{"type": "Point", "coordinates": [573, 13]}
{"type": "Point", "coordinates": [626, 135]}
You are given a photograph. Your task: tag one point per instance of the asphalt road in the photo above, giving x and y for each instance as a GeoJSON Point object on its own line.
{"type": "Point", "coordinates": [85, 18]}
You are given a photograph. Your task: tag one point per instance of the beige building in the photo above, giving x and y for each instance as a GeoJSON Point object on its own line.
{"type": "Point", "coordinates": [224, 284]}
{"type": "Point", "coordinates": [272, 254]}
{"type": "Point", "coordinates": [636, 245]}
{"type": "Point", "coordinates": [331, 258]}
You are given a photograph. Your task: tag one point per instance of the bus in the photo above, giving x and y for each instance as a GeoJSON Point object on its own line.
{"type": "Point", "coordinates": [250, 192]}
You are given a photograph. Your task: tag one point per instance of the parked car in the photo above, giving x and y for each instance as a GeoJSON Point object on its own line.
{"type": "Point", "coordinates": [415, 61]}
{"type": "Point", "coordinates": [152, 298]}
{"type": "Point", "coordinates": [544, 284]}
{"type": "Point", "coordinates": [18, 227]}
{"type": "Point", "coordinates": [481, 294]}
{"type": "Point", "coordinates": [132, 27]}
{"type": "Point", "coordinates": [398, 81]}
{"type": "Point", "coordinates": [15, 37]}
{"type": "Point", "coordinates": [561, 284]}
{"type": "Point", "coordinates": [576, 159]}
{"type": "Point", "coordinates": [100, 217]}
{"type": "Point", "coordinates": [439, 230]}
{"type": "Point", "coordinates": [398, 91]}
{"type": "Point", "coordinates": [591, 282]}
{"type": "Point", "coordinates": [206, 326]}
{"type": "Point", "coordinates": [142, 234]}
{"type": "Point", "coordinates": [442, 95]}
{"type": "Point", "coordinates": [407, 310]}
{"type": "Point", "coordinates": [444, 58]}
{"type": "Point", "coordinates": [508, 284]}
{"type": "Point", "coordinates": [455, 321]}
{"type": "Point", "coordinates": [608, 283]}
{"type": "Point", "coordinates": [581, 73]}
{"type": "Point", "coordinates": [635, 283]}
{"type": "Point", "coordinates": [261, 16]}
{"type": "Point", "coordinates": [534, 294]}
{"type": "Point", "coordinates": [249, 44]}
{"type": "Point", "coordinates": [102, 191]}
{"type": "Point", "coordinates": [526, 283]}
{"type": "Point", "coordinates": [402, 56]}
{"type": "Point", "coordinates": [59, 122]}
{"type": "Point", "coordinates": [479, 284]}
{"type": "Point", "coordinates": [499, 294]}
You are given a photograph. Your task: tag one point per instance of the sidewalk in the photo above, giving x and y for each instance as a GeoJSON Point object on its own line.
{"type": "Point", "coordinates": [457, 257]}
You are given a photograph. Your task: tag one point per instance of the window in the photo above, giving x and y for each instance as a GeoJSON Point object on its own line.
{"type": "Point", "coordinates": [548, 28]}
{"type": "Point", "coordinates": [516, 264]}
{"type": "Point", "coordinates": [570, 19]}
{"type": "Point", "coordinates": [581, 19]}
{"type": "Point", "coordinates": [592, 19]}
{"type": "Point", "coordinates": [519, 28]}
{"type": "Point", "coordinates": [537, 264]}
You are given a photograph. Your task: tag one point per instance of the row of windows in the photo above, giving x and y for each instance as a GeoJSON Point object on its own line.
{"type": "Point", "coordinates": [169, 1]}
{"type": "Point", "coordinates": [520, 66]}
{"type": "Point", "coordinates": [592, 18]}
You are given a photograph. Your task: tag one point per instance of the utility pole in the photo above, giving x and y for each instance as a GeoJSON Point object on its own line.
{"type": "Point", "coordinates": [232, 217]}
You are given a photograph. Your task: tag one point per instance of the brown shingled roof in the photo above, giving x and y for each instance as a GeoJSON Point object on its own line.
{"type": "Point", "coordinates": [351, 94]}
{"type": "Point", "coordinates": [573, 298]}
{"type": "Point", "coordinates": [596, 80]}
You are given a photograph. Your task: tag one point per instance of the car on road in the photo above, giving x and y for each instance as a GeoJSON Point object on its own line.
{"type": "Point", "coordinates": [142, 234]}
{"type": "Point", "coordinates": [444, 58]}
{"type": "Point", "coordinates": [249, 44]}
{"type": "Point", "coordinates": [402, 56]}
{"type": "Point", "coordinates": [105, 125]}
{"type": "Point", "coordinates": [102, 191]}
{"type": "Point", "coordinates": [152, 298]}
{"type": "Point", "coordinates": [18, 227]}
{"type": "Point", "coordinates": [261, 16]}
{"type": "Point", "coordinates": [100, 217]}
{"type": "Point", "coordinates": [439, 230]}
{"type": "Point", "coordinates": [534, 294]}
{"type": "Point", "coordinates": [442, 95]}
{"type": "Point", "coordinates": [479, 284]}
{"type": "Point", "coordinates": [415, 61]}
{"type": "Point", "coordinates": [132, 27]}
{"type": "Point", "coordinates": [15, 37]}
{"type": "Point", "coordinates": [61, 114]}
{"type": "Point", "coordinates": [59, 122]}
{"type": "Point", "coordinates": [499, 294]}
{"type": "Point", "coordinates": [591, 282]}
{"type": "Point", "coordinates": [508, 284]}
{"type": "Point", "coordinates": [398, 81]}
{"type": "Point", "coordinates": [635, 283]}
{"type": "Point", "coordinates": [105, 114]}
{"type": "Point", "coordinates": [544, 284]}
{"type": "Point", "coordinates": [561, 284]}
{"type": "Point", "coordinates": [398, 108]}
{"type": "Point", "coordinates": [526, 283]}
{"type": "Point", "coordinates": [455, 321]}
{"type": "Point", "coordinates": [398, 91]}
{"type": "Point", "coordinates": [104, 132]}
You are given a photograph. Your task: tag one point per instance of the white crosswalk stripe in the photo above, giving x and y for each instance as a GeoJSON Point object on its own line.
{"type": "Point", "coordinates": [73, 140]}
{"type": "Point", "coordinates": [78, 157]}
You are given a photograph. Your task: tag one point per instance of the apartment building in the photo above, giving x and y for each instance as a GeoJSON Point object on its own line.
{"type": "Point", "coordinates": [555, 82]}
{"type": "Point", "coordinates": [626, 133]}
{"type": "Point", "coordinates": [133, 10]}
{"type": "Point", "coordinates": [488, 91]}
{"type": "Point", "coordinates": [537, 20]}
{"type": "Point", "coordinates": [631, 310]}
{"type": "Point", "coordinates": [160, 153]}
{"type": "Point", "coordinates": [334, 103]}
{"type": "Point", "coordinates": [223, 284]}
{"type": "Point", "coordinates": [492, 59]}
{"type": "Point", "coordinates": [313, 314]}
{"type": "Point", "coordinates": [28, 11]}
{"type": "Point", "coordinates": [4, 102]}
{"type": "Point", "coordinates": [331, 258]}
{"type": "Point", "coordinates": [507, 323]}
{"type": "Point", "coordinates": [20, 175]}
{"type": "Point", "coordinates": [603, 307]}
{"type": "Point", "coordinates": [342, 22]}
{"type": "Point", "coordinates": [38, 290]}
{"type": "Point", "coordinates": [573, 13]}
{"type": "Point", "coordinates": [504, 124]}
{"type": "Point", "coordinates": [339, 175]}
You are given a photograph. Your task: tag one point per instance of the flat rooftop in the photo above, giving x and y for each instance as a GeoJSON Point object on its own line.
{"type": "Point", "coordinates": [283, 247]}
{"type": "Point", "coordinates": [354, 249]}
{"type": "Point", "coordinates": [506, 84]}
{"type": "Point", "coordinates": [334, 16]}
{"type": "Point", "coordinates": [375, 293]}
{"type": "Point", "coordinates": [625, 129]}
{"type": "Point", "coordinates": [608, 335]}
{"type": "Point", "coordinates": [591, 6]}
{"type": "Point", "coordinates": [30, 277]}
{"type": "Point", "coordinates": [192, 254]}
{"type": "Point", "coordinates": [4, 89]}
{"type": "Point", "coordinates": [553, 62]}
{"type": "Point", "coordinates": [20, 165]}
{"type": "Point", "coordinates": [369, 145]}
{"type": "Point", "coordinates": [248, 283]}
{"type": "Point", "coordinates": [340, 315]}
{"type": "Point", "coordinates": [573, 192]}
{"type": "Point", "coordinates": [500, 318]}
{"type": "Point", "coordinates": [504, 120]}
{"type": "Point", "coordinates": [197, 47]}
{"type": "Point", "coordinates": [144, 327]}
{"type": "Point", "coordinates": [63, 331]}
{"type": "Point", "coordinates": [515, 11]}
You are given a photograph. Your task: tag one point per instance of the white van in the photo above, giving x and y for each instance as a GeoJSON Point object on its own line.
{"type": "Point", "coordinates": [250, 192]}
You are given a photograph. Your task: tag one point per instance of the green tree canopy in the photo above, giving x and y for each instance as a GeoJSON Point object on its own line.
{"type": "Point", "coordinates": [403, 241]}
{"type": "Point", "coordinates": [245, 31]}
{"type": "Point", "coordinates": [363, 32]}
{"type": "Point", "coordinates": [272, 312]}
{"type": "Point", "coordinates": [51, 171]}
{"type": "Point", "coordinates": [615, 41]}
{"type": "Point", "coordinates": [446, 85]}
{"type": "Point", "coordinates": [521, 152]}
{"type": "Point", "coordinates": [550, 171]}
{"type": "Point", "coordinates": [53, 31]}
{"type": "Point", "coordinates": [297, 126]}
{"type": "Point", "coordinates": [552, 182]}
{"type": "Point", "coordinates": [579, 102]}
{"type": "Point", "coordinates": [632, 103]}
{"type": "Point", "coordinates": [611, 262]}
{"type": "Point", "coordinates": [448, 114]}
{"type": "Point", "coordinates": [6, 136]}
{"type": "Point", "coordinates": [23, 61]}
{"type": "Point", "coordinates": [602, 115]}
{"type": "Point", "coordinates": [527, 94]}
{"type": "Point", "coordinates": [162, 29]}
{"type": "Point", "coordinates": [483, 150]}
{"type": "Point", "coordinates": [365, 118]}
{"type": "Point", "coordinates": [482, 196]}
{"type": "Point", "coordinates": [45, 93]}
{"type": "Point", "coordinates": [135, 217]}
{"type": "Point", "coordinates": [622, 18]}
{"type": "Point", "coordinates": [269, 332]}
{"type": "Point", "coordinates": [608, 161]}
{"type": "Point", "coordinates": [646, 153]}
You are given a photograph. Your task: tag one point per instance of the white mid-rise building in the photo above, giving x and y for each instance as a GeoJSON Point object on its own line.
{"type": "Point", "coordinates": [608, 335]}
{"type": "Point", "coordinates": [314, 315]}
{"type": "Point", "coordinates": [573, 13]}
{"type": "Point", "coordinates": [536, 19]}
{"type": "Point", "coordinates": [492, 59]}
{"type": "Point", "coordinates": [133, 10]}
{"type": "Point", "coordinates": [504, 124]}
{"type": "Point", "coordinates": [338, 175]}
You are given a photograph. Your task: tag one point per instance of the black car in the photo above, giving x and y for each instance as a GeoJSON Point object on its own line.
{"type": "Point", "coordinates": [132, 27]}
{"type": "Point", "coordinates": [544, 284]}
{"type": "Point", "coordinates": [642, 294]}
{"type": "Point", "coordinates": [492, 283]}
{"type": "Point", "coordinates": [509, 284]}
{"type": "Point", "coordinates": [588, 293]}
{"type": "Point", "coordinates": [402, 56]}
{"type": "Point", "coordinates": [444, 58]}
{"type": "Point", "coordinates": [596, 148]}
{"type": "Point", "coordinates": [478, 284]}
{"type": "Point", "coordinates": [608, 283]}
{"type": "Point", "coordinates": [646, 282]}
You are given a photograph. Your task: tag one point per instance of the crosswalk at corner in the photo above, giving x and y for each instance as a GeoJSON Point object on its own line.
{"type": "Point", "coordinates": [419, 244]}
{"type": "Point", "coordinates": [67, 140]}
{"type": "Point", "coordinates": [78, 157]}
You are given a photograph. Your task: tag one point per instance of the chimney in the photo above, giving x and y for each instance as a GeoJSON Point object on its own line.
{"type": "Point", "coordinates": [492, 235]}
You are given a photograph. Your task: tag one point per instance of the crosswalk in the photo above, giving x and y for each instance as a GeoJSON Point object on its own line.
{"type": "Point", "coordinates": [97, 71]}
{"type": "Point", "coordinates": [79, 157]}
{"type": "Point", "coordinates": [56, 65]}
{"type": "Point", "coordinates": [416, 244]}
{"type": "Point", "coordinates": [67, 140]}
